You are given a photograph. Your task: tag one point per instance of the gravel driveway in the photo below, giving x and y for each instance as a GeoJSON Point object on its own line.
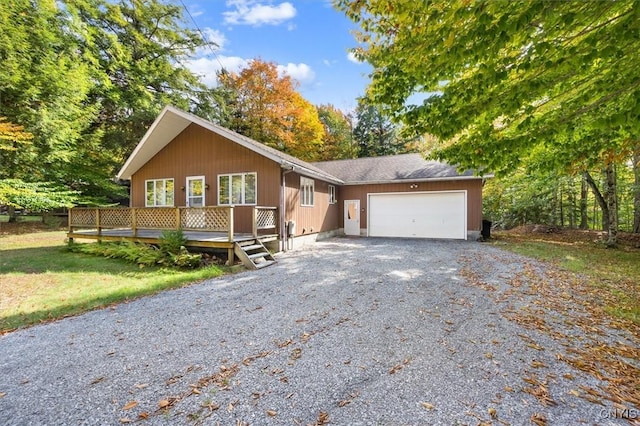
{"type": "Point", "coordinates": [347, 332]}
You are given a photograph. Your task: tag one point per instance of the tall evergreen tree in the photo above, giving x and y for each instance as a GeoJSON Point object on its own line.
{"type": "Point", "coordinates": [374, 132]}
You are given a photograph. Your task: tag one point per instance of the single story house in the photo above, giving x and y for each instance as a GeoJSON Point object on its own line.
{"type": "Point", "coordinates": [184, 160]}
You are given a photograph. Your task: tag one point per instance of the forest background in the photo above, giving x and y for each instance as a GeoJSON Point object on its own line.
{"type": "Point", "coordinates": [543, 95]}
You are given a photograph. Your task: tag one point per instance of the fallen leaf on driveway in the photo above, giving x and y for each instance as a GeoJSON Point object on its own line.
{"type": "Point", "coordinates": [323, 418]}
{"type": "Point", "coordinates": [539, 419]}
{"type": "Point", "coordinates": [3, 394]}
{"type": "Point", "coordinates": [396, 368]}
{"type": "Point", "coordinates": [232, 405]}
{"type": "Point", "coordinates": [272, 413]}
{"type": "Point", "coordinates": [125, 420]}
{"type": "Point", "coordinates": [130, 405]}
{"type": "Point", "coordinates": [427, 405]}
{"type": "Point", "coordinates": [97, 380]}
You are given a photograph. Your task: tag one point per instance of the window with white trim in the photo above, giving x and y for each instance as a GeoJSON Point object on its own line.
{"type": "Point", "coordinates": [332, 194]}
{"type": "Point", "coordinates": [306, 191]}
{"type": "Point", "coordinates": [237, 189]}
{"type": "Point", "coordinates": [159, 193]}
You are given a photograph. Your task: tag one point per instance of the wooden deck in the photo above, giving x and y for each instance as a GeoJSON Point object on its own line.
{"type": "Point", "coordinates": [204, 227]}
{"type": "Point", "coordinates": [152, 236]}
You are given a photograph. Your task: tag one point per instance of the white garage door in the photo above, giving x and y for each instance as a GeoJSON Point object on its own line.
{"type": "Point", "coordinates": [418, 215]}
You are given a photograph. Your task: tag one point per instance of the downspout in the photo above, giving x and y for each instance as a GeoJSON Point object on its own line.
{"type": "Point", "coordinates": [286, 169]}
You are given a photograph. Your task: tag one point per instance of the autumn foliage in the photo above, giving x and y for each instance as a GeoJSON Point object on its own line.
{"type": "Point", "coordinates": [268, 108]}
{"type": "Point", "coordinates": [11, 135]}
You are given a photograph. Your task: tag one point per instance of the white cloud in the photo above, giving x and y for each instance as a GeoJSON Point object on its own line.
{"type": "Point", "coordinates": [328, 62]}
{"type": "Point", "coordinates": [252, 12]}
{"type": "Point", "coordinates": [212, 36]}
{"type": "Point", "coordinates": [301, 72]}
{"type": "Point", "coordinates": [206, 68]}
{"type": "Point", "coordinates": [215, 36]}
{"type": "Point", "coordinates": [352, 57]}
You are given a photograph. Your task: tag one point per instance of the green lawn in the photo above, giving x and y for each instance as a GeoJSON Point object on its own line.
{"type": "Point", "coordinates": [5, 218]}
{"type": "Point", "coordinates": [614, 274]}
{"type": "Point", "coordinates": [40, 280]}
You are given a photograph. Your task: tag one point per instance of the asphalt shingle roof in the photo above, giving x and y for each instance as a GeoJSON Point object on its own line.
{"type": "Point", "coordinates": [389, 168]}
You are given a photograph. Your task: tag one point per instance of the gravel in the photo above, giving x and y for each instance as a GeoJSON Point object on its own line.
{"type": "Point", "coordinates": [357, 331]}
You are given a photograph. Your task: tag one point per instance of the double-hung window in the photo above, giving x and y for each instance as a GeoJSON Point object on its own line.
{"type": "Point", "coordinates": [332, 194]}
{"type": "Point", "coordinates": [306, 191]}
{"type": "Point", "coordinates": [159, 193]}
{"type": "Point", "coordinates": [237, 189]}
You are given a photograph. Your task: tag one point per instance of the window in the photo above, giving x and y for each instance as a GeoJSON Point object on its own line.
{"type": "Point", "coordinates": [239, 188]}
{"type": "Point", "coordinates": [332, 194]}
{"type": "Point", "coordinates": [159, 192]}
{"type": "Point", "coordinates": [306, 191]}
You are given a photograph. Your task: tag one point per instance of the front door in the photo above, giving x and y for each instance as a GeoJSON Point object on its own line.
{"type": "Point", "coordinates": [352, 217]}
{"type": "Point", "coordinates": [195, 191]}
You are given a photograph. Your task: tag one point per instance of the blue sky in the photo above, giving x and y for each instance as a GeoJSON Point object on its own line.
{"type": "Point", "coordinates": [308, 39]}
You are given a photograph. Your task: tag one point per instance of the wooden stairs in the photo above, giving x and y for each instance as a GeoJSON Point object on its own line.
{"type": "Point", "coordinates": [253, 254]}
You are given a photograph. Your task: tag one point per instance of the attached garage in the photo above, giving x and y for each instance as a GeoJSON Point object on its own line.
{"type": "Point", "coordinates": [439, 214]}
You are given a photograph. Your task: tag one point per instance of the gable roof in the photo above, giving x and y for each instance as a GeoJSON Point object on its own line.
{"type": "Point", "coordinates": [172, 121]}
{"type": "Point", "coordinates": [392, 168]}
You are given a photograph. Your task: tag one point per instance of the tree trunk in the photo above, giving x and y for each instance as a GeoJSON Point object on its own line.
{"type": "Point", "coordinates": [13, 217]}
{"type": "Point", "coordinates": [611, 195]}
{"type": "Point", "coordinates": [560, 201]}
{"type": "Point", "coordinates": [584, 218]}
{"type": "Point", "coordinates": [636, 190]}
{"type": "Point", "coordinates": [599, 198]}
{"type": "Point", "coordinates": [571, 195]}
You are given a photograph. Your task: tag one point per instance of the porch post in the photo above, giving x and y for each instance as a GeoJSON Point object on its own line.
{"type": "Point", "coordinates": [230, 221]}
{"type": "Point", "coordinates": [255, 222]}
{"type": "Point", "coordinates": [230, 251]}
{"type": "Point", "coordinates": [177, 218]}
{"type": "Point", "coordinates": [69, 224]}
{"type": "Point", "coordinates": [134, 222]}
{"type": "Point", "coordinates": [98, 224]}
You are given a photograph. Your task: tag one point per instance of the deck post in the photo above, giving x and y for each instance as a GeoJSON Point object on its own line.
{"type": "Point", "coordinates": [134, 222]}
{"type": "Point", "coordinates": [177, 218]}
{"type": "Point", "coordinates": [255, 222]}
{"type": "Point", "coordinates": [70, 226]}
{"type": "Point", "coordinates": [98, 225]}
{"type": "Point", "coordinates": [230, 220]}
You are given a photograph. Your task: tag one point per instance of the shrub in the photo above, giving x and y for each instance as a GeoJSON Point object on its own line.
{"type": "Point", "coordinates": [142, 254]}
{"type": "Point", "coordinates": [53, 222]}
{"type": "Point", "coordinates": [172, 242]}
{"type": "Point", "coordinates": [184, 259]}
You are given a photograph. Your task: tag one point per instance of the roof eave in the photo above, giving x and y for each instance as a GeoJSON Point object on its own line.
{"type": "Point", "coordinates": [124, 173]}
{"type": "Point", "coordinates": [128, 169]}
{"type": "Point", "coordinates": [312, 173]}
{"type": "Point", "coordinates": [438, 179]}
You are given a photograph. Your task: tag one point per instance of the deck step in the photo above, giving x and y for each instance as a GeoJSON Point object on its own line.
{"type": "Point", "coordinates": [250, 252]}
{"type": "Point", "coordinates": [258, 255]}
{"type": "Point", "coordinates": [265, 264]}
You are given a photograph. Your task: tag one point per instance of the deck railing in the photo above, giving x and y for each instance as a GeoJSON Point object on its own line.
{"type": "Point", "coordinates": [264, 218]}
{"type": "Point", "coordinates": [210, 219]}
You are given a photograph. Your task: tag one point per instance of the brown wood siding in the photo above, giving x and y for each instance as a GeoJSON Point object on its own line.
{"type": "Point", "coordinates": [473, 187]}
{"type": "Point", "coordinates": [320, 217]}
{"type": "Point", "coordinates": [200, 152]}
